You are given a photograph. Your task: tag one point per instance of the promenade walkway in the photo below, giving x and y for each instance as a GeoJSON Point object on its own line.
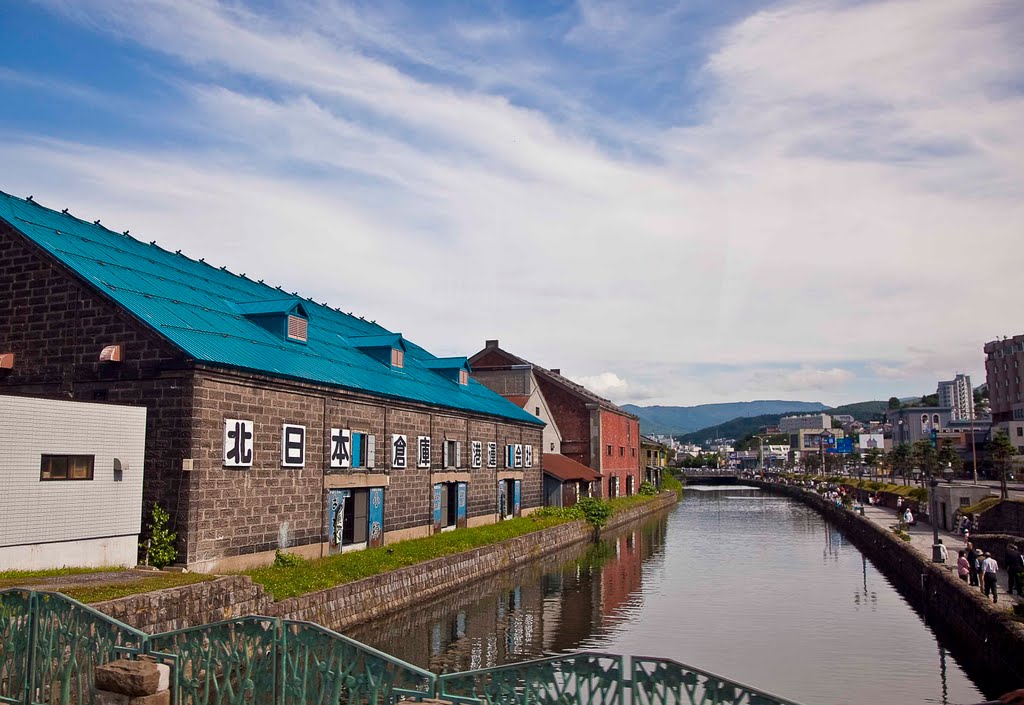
{"type": "Point", "coordinates": [921, 541]}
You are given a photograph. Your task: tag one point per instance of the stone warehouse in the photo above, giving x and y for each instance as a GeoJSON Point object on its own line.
{"type": "Point", "coordinates": [273, 421]}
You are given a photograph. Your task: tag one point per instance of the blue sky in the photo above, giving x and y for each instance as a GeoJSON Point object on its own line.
{"type": "Point", "coordinates": [673, 202]}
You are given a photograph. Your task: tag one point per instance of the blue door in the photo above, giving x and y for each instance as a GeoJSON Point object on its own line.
{"type": "Point", "coordinates": [501, 499]}
{"type": "Point", "coordinates": [437, 507]}
{"type": "Point", "coordinates": [461, 513]}
{"type": "Point", "coordinates": [336, 518]}
{"type": "Point", "coordinates": [376, 537]}
{"type": "Point", "coordinates": [515, 497]}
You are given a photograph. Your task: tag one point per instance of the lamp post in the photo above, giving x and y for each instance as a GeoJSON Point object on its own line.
{"type": "Point", "coordinates": [932, 512]}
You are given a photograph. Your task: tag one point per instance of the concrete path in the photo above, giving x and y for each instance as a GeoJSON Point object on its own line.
{"type": "Point", "coordinates": [921, 541]}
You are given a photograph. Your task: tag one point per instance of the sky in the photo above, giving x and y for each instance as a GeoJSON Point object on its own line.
{"type": "Point", "coordinates": [672, 202]}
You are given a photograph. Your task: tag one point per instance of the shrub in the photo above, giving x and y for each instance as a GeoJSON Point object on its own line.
{"type": "Point", "coordinates": [647, 488]}
{"type": "Point", "coordinates": [669, 482]}
{"type": "Point", "coordinates": [559, 513]}
{"type": "Point", "coordinates": [595, 511]}
{"type": "Point", "coordinates": [160, 551]}
{"type": "Point", "coordinates": [283, 559]}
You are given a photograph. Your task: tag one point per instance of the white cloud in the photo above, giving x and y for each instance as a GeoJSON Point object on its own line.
{"type": "Point", "coordinates": [837, 196]}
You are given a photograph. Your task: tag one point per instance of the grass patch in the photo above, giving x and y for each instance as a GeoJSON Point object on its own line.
{"type": "Point", "coordinates": [101, 593]}
{"type": "Point", "coordinates": [9, 575]}
{"type": "Point", "coordinates": [309, 576]}
{"type": "Point", "coordinates": [980, 506]}
{"type": "Point", "coordinates": [305, 576]}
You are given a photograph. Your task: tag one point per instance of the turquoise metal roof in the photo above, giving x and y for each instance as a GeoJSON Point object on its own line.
{"type": "Point", "coordinates": [202, 310]}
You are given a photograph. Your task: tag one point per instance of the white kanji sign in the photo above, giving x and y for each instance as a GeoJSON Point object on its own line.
{"type": "Point", "coordinates": [423, 452]}
{"type": "Point", "coordinates": [477, 453]}
{"type": "Point", "coordinates": [238, 443]}
{"type": "Point", "coordinates": [293, 446]}
{"type": "Point", "coordinates": [492, 455]}
{"type": "Point", "coordinates": [341, 448]}
{"type": "Point", "coordinates": [399, 448]}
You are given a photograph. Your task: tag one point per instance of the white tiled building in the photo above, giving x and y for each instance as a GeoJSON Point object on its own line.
{"type": "Point", "coordinates": [70, 483]}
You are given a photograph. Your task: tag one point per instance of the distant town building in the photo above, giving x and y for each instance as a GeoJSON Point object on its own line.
{"type": "Point", "coordinates": [958, 395]}
{"type": "Point", "coordinates": [911, 424]}
{"type": "Point", "coordinates": [790, 424]}
{"type": "Point", "coordinates": [1004, 362]}
{"type": "Point", "coordinates": [843, 419]}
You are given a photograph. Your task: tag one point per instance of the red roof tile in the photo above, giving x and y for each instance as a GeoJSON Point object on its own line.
{"type": "Point", "coordinates": [564, 468]}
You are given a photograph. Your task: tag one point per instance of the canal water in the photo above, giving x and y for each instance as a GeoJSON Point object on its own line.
{"type": "Point", "coordinates": [752, 586]}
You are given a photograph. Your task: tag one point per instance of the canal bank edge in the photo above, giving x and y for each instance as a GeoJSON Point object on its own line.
{"type": "Point", "coordinates": [978, 625]}
{"type": "Point", "coordinates": [361, 600]}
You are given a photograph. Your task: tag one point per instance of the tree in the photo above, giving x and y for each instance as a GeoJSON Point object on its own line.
{"type": "Point", "coordinates": [949, 457]}
{"type": "Point", "coordinates": [811, 462]}
{"type": "Point", "coordinates": [900, 461]}
{"type": "Point", "coordinates": [894, 403]}
{"type": "Point", "coordinates": [926, 457]}
{"type": "Point", "coordinates": [873, 459]}
{"type": "Point", "coordinates": [1001, 450]}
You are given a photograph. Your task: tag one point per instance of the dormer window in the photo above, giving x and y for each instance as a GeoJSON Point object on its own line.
{"type": "Point", "coordinates": [387, 348]}
{"type": "Point", "coordinates": [286, 318]}
{"type": "Point", "coordinates": [297, 328]}
{"type": "Point", "coordinates": [454, 369]}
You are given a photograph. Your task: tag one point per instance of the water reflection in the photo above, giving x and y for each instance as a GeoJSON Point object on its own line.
{"type": "Point", "coordinates": [734, 581]}
{"type": "Point", "coordinates": [551, 606]}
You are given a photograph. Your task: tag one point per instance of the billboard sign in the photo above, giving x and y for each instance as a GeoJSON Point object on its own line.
{"type": "Point", "coordinates": [868, 441]}
{"type": "Point", "coordinates": [841, 446]}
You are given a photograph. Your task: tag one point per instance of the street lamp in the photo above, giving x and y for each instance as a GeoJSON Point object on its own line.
{"type": "Point", "coordinates": [936, 551]}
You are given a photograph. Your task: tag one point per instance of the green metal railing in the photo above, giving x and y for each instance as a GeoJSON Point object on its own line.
{"type": "Point", "coordinates": [50, 646]}
{"type": "Point", "coordinates": [589, 678]}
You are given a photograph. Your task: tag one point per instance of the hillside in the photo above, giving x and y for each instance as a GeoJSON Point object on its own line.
{"type": "Point", "coordinates": [674, 420]}
{"type": "Point", "coordinates": [863, 410]}
{"type": "Point", "coordinates": [734, 428]}
{"type": "Point", "coordinates": [739, 427]}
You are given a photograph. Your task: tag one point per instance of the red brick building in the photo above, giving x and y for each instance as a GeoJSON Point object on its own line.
{"type": "Point", "coordinates": [273, 421]}
{"type": "Point", "coordinates": [594, 431]}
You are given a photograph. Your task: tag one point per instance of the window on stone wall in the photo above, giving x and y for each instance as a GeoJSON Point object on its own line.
{"type": "Point", "coordinates": [622, 451]}
{"type": "Point", "coordinates": [66, 467]}
{"type": "Point", "coordinates": [609, 450]}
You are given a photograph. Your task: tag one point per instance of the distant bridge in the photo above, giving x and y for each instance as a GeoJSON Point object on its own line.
{"type": "Point", "coordinates": [690, 476]}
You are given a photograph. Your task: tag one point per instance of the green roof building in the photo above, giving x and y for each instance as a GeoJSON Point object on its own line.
{"type": "Point", "coordinates": [274, 421]}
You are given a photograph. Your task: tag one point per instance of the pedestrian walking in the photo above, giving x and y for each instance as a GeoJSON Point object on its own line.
{"type": "Point", "coordinates": [972, 562]}
{"type": "Point", "coordinates": [943, 554]}
{"type": "Point", "coordinates": [1014, 570]}
{"type": "Point", "coordinates": [989, 568]}
{"type": "Point", "coordinates": [963, 567]}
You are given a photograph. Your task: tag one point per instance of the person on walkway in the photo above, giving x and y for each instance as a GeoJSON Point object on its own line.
{"type": "Point", "coordinates": [963, 566]}
{"type": "Point", "coordinates": [972, 562]}
{"type": "Point", "coordinates": [908, 517]}
{"type": "Point", "coordinates": [989, 569]}
{"type": "Point", "coordinates": [1014, 570]}
{"type": "Point", "coordinates": [943, 554]}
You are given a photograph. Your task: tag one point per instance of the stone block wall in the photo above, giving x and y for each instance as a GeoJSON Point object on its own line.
{"type": "Point", "coordinates": [1007, 517]}
{"type": "Point", "coordinates": [190, 605]}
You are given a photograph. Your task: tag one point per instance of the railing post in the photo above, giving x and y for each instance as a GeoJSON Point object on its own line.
{"type": "Point", "coordinates": [30, 659]}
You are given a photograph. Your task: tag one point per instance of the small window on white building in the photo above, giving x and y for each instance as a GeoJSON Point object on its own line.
{"type": "Point", "coordinates": [66, 467]}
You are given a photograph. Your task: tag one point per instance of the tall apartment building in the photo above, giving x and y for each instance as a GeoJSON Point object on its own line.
{"type": "Point", "coordinates": [958, 395]}
{"type": "Point", "coordinates": [1003, 362]}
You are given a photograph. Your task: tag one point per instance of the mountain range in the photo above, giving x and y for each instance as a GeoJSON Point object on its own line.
{"type": "Point", "coordinates": [674, 420]}
{"type": "Point", "coordinates": [737, 419]}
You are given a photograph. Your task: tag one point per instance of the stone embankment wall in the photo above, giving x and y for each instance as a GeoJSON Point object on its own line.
{"type": "Point", "coordinates": [984, 630]}
{"type": "Point", "coordinates": [361, 600]}
{"type": "Point", "coordinates": [190, 605]}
